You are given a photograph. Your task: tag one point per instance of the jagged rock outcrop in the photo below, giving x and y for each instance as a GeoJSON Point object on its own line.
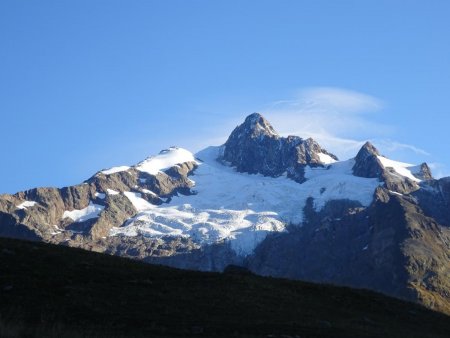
{"type": "Point", "coordinates": [117, 210]}
{"type": "Point", "coordinates": [423, 172]}
{"type": "Point", "coordinates": [255, 147]}
{"type": "Point", "coordinates": [367, 163]}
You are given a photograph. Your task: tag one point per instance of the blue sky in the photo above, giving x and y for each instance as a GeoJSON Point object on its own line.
{"type": "Point", "coordinates": [86, 85]}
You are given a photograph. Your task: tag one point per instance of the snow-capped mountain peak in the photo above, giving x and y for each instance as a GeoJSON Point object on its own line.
{"type": "Point", "coordinates": [397, 176]}
{"type": "Point", "coordinates": [254, 147]}
{"type": "Point", "coordinates": [283, 205]}
{"type": "Point", "coordinates": [166, 159]}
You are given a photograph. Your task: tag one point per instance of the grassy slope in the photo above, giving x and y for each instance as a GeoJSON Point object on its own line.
{"type": "Point", "coordinates": [56, 291]}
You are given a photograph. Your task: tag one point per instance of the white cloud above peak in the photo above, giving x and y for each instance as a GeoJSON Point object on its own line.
{"type": "Point", "coordinates": [341, 120]}
{"type": "Point", "coordinates": [339, 100]}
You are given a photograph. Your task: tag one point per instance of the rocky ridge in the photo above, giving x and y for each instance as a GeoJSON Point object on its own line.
{"type": "Point", "coordinates": [255, 147]}
{"type": "Point", "coordinates": [47, 216]}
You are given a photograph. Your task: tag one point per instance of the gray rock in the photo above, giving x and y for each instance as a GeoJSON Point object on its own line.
{"type": "Point", "coordinates": [368, 165]}
{"type": "Point", "coordinates": [366, 162]}
{"type": "Point", "coordinates": [254, 147]}
{"type": "Point", "coordinates": [424, 172]}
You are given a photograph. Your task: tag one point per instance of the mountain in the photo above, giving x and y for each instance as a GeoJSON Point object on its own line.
{"type": "Point", "coordinates": [54, 291]}
{"type": "Point", "coordinates": [255, 147]}
{"type": "Point", "coordinates": [279, 206]}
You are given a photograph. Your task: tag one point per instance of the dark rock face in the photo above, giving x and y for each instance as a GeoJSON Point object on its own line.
{"type": "Point", "coordinates": [10, 228]}
{"type": "Point", "coordinates": [366, 162]}
{"type": "Point", "coordinates": [254, 147]}
{"type": "Point", "coordinates": [402, 185]}
{"type": "Point", "coordinates": [316, 251]}
{"type": "Point", "coordinates": [434, 200]}
{"type": "Point", "coordinates": [424, 172]}
{"type": "Point", "coordinates": [389, 247]}
{"type": "Point", "coordinates": [177, 252]}
{"type": "Point", "coordinates": [426, 249]}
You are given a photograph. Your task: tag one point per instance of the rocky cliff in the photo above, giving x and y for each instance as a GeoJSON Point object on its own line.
{"type": "Point", "coordinates": [255, 147]}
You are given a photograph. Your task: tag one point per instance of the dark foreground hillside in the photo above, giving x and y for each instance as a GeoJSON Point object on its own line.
{"type": "Point", "coordinates": [52, 291]}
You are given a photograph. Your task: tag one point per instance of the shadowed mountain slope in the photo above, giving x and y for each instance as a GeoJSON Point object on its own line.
{"type": "Point", "coordinates": [53, 291]}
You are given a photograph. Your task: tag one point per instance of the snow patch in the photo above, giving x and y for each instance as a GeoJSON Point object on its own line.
{"type": "Point", "coordinates": [91, 211]}
{"type": "Point", "coordinates": [58, 229]}
{"type": "Point", "coordinates": [112, 192]}
{"type": "Point", "coordinates": [146, 191]}
{"type": "Point", "coordinates": [26, 204]}
{"type": "Point", "coordinates": [138, 202]}
{"type": "Point", "coordinates": [100, 195]}
{"type": "Point", "coordinates": [165, 159]}
{"type": "Point", "coordinates": [395, 193]}
{"type": "Point", "coordinates": [403, 169]}
{"type": "Point", "coordinates": [325, 158]}
{"type": "Point", "coordinates": [114, 170]}
{"type": "Point", "coordinates": [339, 183]}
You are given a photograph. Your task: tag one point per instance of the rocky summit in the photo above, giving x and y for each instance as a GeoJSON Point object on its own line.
{"type": "Point", "coordinates": [255, 147]}
{"type": "Point", "coordinates": [277, 206]}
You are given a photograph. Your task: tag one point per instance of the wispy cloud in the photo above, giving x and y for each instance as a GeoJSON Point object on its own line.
{"type": "Point", "coordinates": [393, 146]}
{"type": "Point", "coordinates": [339, 119]}
{"type": "Point", "coordinates": [332, 99]}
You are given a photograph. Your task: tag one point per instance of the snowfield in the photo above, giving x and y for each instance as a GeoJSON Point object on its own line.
{"type": "Point", "coordinates": [100, 195]}
{"type": "Point", "coordinates": [165, 159]}
{"type": "Point", "coordinates": [403, 169]}
{"type": "Point", "coordinates": [114, 170]}
{"type": "Point", "coordinates": [26, 204]}
{"type": "Point", "coordinates": [91, 211]}
{"type": "Point", "coordinates": [325, 158]}
{"type": "Point", "coordinates": [238, 207]}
